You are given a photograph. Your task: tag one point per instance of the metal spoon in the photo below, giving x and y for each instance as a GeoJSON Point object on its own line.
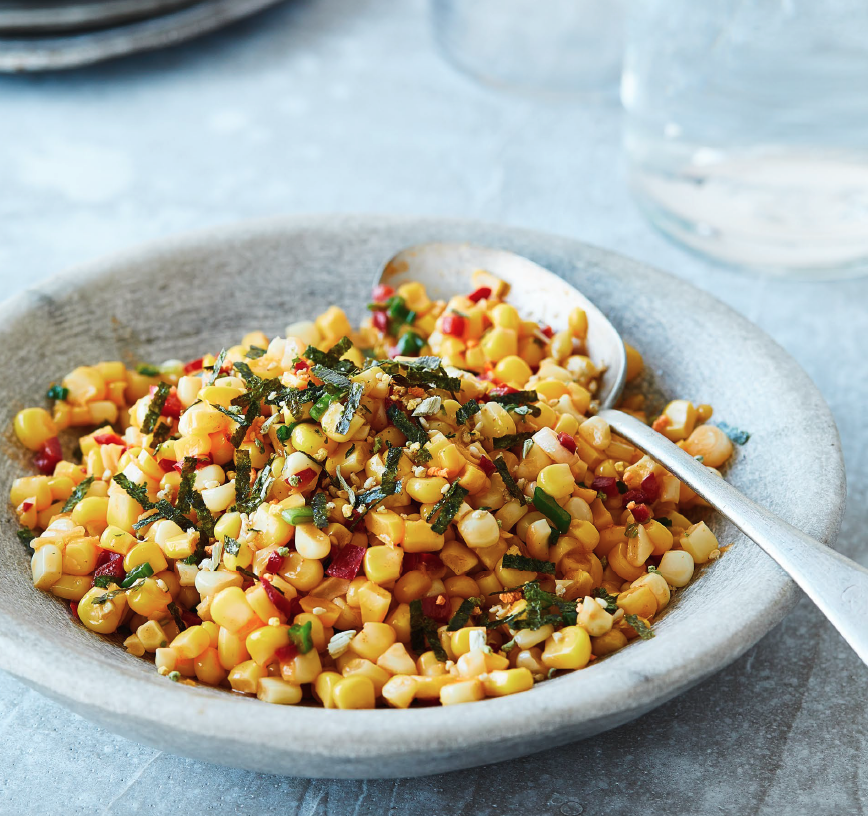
{"type": "Point", "coordinates": [837, 585]}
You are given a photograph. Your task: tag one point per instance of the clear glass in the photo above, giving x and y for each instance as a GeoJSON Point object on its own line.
{"type": "Point", "coordinates": [747, 129]}
{"type": "Point", "coordinates": [560, 47]}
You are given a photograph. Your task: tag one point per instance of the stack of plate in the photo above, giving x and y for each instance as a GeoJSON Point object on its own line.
{"type": "Point", "coordinates": [39, 35]}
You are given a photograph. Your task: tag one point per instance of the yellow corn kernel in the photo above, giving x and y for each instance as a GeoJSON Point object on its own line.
{"type": "Point", "coordinates": [303, 573]}
{"type": "Point", "coordinates": [103, 411]}
{"type": "Point", "coordinates": [231, 647]}
{"type": "Point", "coordinates": [134, 646]}
{"type": "Point", "coordinates": [507, 681]}
{"type": "Point", "coordinates": [711, 443]}
{"type": "Point", "coordinates": [373, 640]}
{"type": "Point", "coordinates": [71, 587]}
{"type": "Point", "coordinates": [145, 553]}
{"type": "Point", "coordinates": [208, 668]}
{"type": "Point", "coordinates": [192, 642]}
{"type": "Point", "coordinates": [303, 668]}
{"type": "Point", "coordinates": [569, 648]}
{"type": "Point", "coordinates": [61, 488]}
{"type": "Point", "coordinates": [473, 479]}
{"type": "Point", "coordinates": [400, 690]}
{"type": "Point", "coordinates": [277, 691]}
{"type": "Point", "coordinates": [80, 556]}
{"type": "Point", "coordinates": [333, 323]}
{"type": "Point", "coordinates": [399, 620]}
{"type": "Point", "coordinates": [634, 362]}
{"type": "Point", "coordinates": [149, 599]}
{"type": "Point", "coordinates": [374, 602]}
{"type": "Point", "coordinates": [230, 609]}
{"type": "Point", "coordinates": [91, 510]}
{"type": "Point", "coordinates": [619, 562]}
{"type": "Point", "coordinates": [676, 567]}
{"type": "Point", "coordinates": [700, 542]}
{"type": "Point", "coordinates": [677, 420]}
{"type": "Point", "coordinates": [34, 488]}
{"type": "Point", "coordinates": [513, 371]}
{"type": "Point", "coordinates": [429, 687]}
{"type": "Point", "coordinates": [466, 639]}
{"type": "Point", "coordinates": [450, 459]}
{"type": "Point", "coordinates": [331, 420]}
{"type": "Point", "coordinates": [557, 481]}
{"type": "Point", "coordinates": [428, 665]}
{"type": "Point", "coordinates": [596, 432]}
{"type": "Point", "coordinates": [229, 524]}
{"type": "Point", "coordinates": [412, 585]}
{"type": "Point", "coordinates": [561, 345]}
{"type": "Point", "coordinates": [608, 643]}
{"type": "Point", "coordinates": [388, 526]}
{"type": "Point", "coordinates": [181, 546]}
{"type": "Point", "coordinates": [122, 511]}
{"type": "Point", "coordinates": [354, 692]}
{"type": "Point", "coordinates": [479, 529]}
{"type": "Point", "coordinates": [383, 563]}
{"type": "Point", "coordinates": [34, 427]}
{"type": "Point", "coordinates": [152, 636]}
{"type": "Point", "coordinates": [419, 537]}
{"type": "Point", "coordinates": [426, 490]}
{"type": "Point", "coordinates": [245, 676]}
{"type": "Point", "coordinates": [500, 343]}
{"type": "Point", "coordinates": [462, 691]}
{"type": "Point", "coordinates": [396, 660]}
{"type": "Point", "coordinates": [311, 542]}
{"type": "Point", "coordinates": [46, 566]}
{"type": "Point", "coordinates": [210, 582]}
{"type": "Point", "coordinates": [262, 643]}
{"type": "Point", "coordinates": [578, 323]}
{"type": "Point", "coordinates": [324, 687]}
{"type": "Point", "coordinates": [103, 618]}
{"type": "Point", "coordinates": [551, 388]}
{"type": "Point", "coordinates": [458, 557]}
{"type": "Point", "coordinates": [85, 385]}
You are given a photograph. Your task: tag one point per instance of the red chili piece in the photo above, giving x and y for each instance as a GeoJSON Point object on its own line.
{"type": "Point", "coordinates": [347, 563]}
{"type": "Point", "coordinates": [437, 607]}
{"type": "Point", "coordinates": [110, 564]}
{"type": "Point", "coordinates": [634, 496]}
{"type": "Point", "coordinates": [301, 365]}
{"type": "Point", "coordinates": [201, 461]}
{"type": "Point", "coordinates": [502, 391]}
{"type": "Point", "coordinates": [194, 365]}
{"type": "Point", "coordinates": [487, 466]}
{"type": "Point", "coordinates": [567, 442]}
{"type": "Point", "coordinates": [73, 608]}
{"type": "Point", "coordinates": [108, 439]}
{"type": "Point", "coordinates": [304, 476]}
{"type": "Point", "coordinates": [453, 325]}
{"type": "Point", "coordinates": [380, 321]}
{"type": "Point", "coordinates": [641, 513]}
{"type": "Point", "coordinates": [606, 484]}
{"type": "Point", "coordinates": [480, 294]}
{"type": "Point", "coordinates": [286, 653]}
{"type": "Point", "coordinates": [167, 464]}
{"type": "Point", "coordinates": [26, 505]}
{"type": "Point", "coordinates": [190, 618]}
{"type": "Point", "coordinates": [382, 293]}
{"type": "Point", "coordinates": [48, 456]}
{"type": "Point", "coordinates": [274, 563]}
{"type": "Point", "coordinates": [651, 487]}
{"type": "Point", "coordinates": [548, 331]}
{"type": "Point", "coordinates": [424, 561]}
{"type": "Point", "coordinates": [288, 606]}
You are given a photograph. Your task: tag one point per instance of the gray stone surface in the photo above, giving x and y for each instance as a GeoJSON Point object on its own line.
{"type": "Point", "coordinates": [343, 105]}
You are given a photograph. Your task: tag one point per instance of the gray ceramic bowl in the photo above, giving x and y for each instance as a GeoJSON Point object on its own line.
{"type": "Point", "coordinates": [199, 292]}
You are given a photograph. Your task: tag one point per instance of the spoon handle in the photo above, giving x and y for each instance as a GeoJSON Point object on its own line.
{"type": "Point", "coordinates": [837, 585]}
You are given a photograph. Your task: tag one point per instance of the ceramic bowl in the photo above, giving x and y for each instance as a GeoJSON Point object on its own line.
{"type": "Point", "coordinates": [180, 297]}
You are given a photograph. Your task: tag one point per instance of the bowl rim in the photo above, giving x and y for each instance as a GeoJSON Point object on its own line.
{"type": "Point", "coordinates": [364, 744]}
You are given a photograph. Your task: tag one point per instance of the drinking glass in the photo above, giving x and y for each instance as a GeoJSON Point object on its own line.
{"type": "Point", "coordinates": [747, 129]}
{"type": "Point", "coordinates": [558, 47]}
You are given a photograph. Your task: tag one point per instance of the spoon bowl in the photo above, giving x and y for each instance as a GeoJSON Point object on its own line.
{"type": "Point", "coordinates": [836, 584]}
{"type": "Point", "coordinates": [446, 269]}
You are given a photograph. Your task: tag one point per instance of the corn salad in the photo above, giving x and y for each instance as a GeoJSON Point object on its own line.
{"type": "Point", "coordinates": [426, 510]}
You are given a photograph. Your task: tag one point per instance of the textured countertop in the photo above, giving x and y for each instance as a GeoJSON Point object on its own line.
{"type": "Point", "coordinates": [345, 106]}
